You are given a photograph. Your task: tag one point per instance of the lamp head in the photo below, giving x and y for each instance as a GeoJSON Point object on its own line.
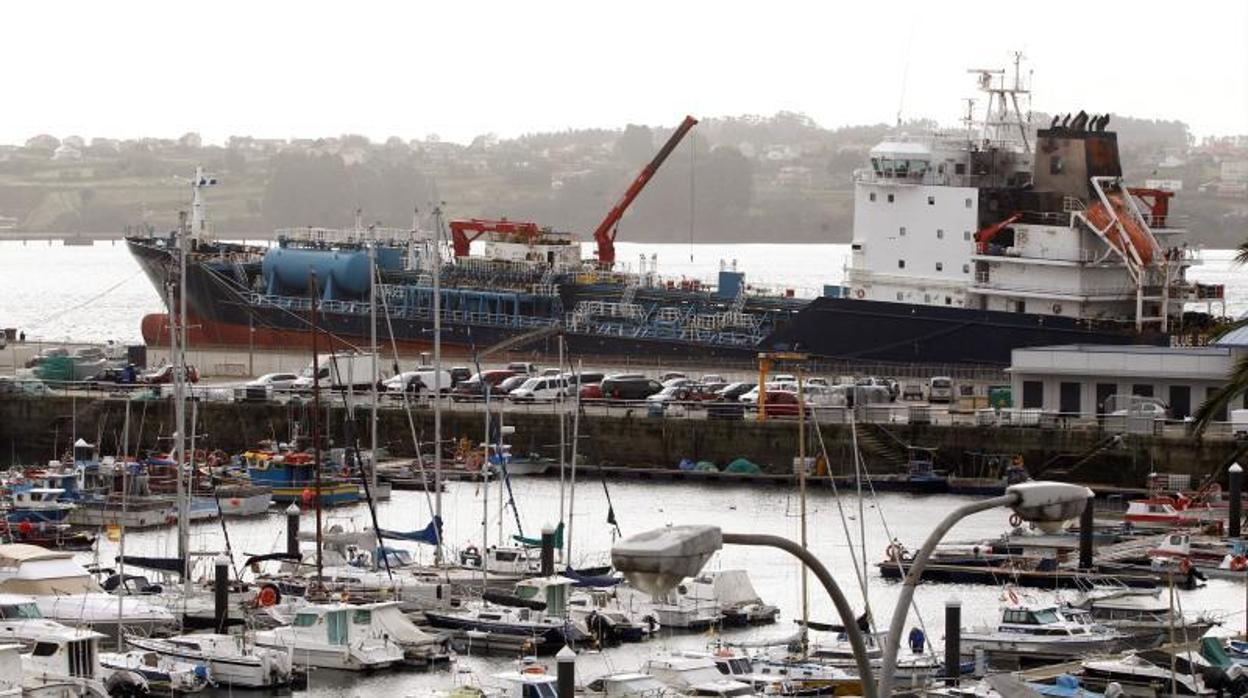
{"type": "Point", "coordinates": [1049, 504]}
{"type": "Point", "coordinates": [656, 561]}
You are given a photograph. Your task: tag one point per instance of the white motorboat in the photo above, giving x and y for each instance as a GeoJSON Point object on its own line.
{"type": "Point", "coordinates": [334, 636]}
{"type": "Point", "coordinates": [1141, 678]}
{"type": "Point", "coordinates": [59, 660]}
{"type": "Point", "coordinates": [772, 677]}
{"type": "Point", "coordinates": [532, 619]}
{"type": "Point", "coordinates": [605, 617]}
{"type": "Point", "coordinates": [243, 500]}
{"type": "Point", "coordinates": [628, 684]}
{"type": "Point", "coordinates": [1142, 615]}
{"type": "Point", "coordinates": [163, 673]}
{"type": "Point", "coordinates": [1043, 630]}
{"type": "Point", "coordinates": [739, 602]}
{"type": "Point", "coordinates": [385, 621]}
{"type": "Point", "coordinates": [695, 676]}
{"type": "Point", "coordinates": [11, 671]}
{"type": "Point", "coordinates": [64, 591]}
{"type": "Point", "coordinates": [673, 610]}
{"type": "Point", "coordinates": [231, 661]}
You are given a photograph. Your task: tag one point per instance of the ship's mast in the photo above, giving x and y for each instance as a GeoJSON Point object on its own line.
{"type": "Point", "coordinates": [1004, 120]}
{"type": "Point", "coordinates": [199, 219]}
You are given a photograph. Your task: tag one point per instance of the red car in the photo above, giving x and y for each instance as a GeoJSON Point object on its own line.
{"type": "Point", "coordinates": [591, 391]}
{"type": "Point", "coordinates": [471, 388]}
{"type": "Point", "coordinates": [164, 374]}
{"type": "Point", "coordinates": [781, 403]}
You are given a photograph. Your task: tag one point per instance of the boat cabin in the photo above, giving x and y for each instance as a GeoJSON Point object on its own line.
{"type": "Point", "coordinates": [1043, 620]}
{"type": "Point", "coordinates": [553, 590]}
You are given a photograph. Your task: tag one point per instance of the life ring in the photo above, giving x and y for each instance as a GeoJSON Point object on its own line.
{"type": "Point", "coordinates": [1057, 308]}
{"type": "Point", "coordinates": [1239, 563]}
{"type": "Point", "coordinates": [893, 552]}
{"type": "Point", "coordinates": [1016, 520]}
{"type": "Point", "coordinates": [269, 595]}
{"type": "Point", "coordinates": [860, 294]}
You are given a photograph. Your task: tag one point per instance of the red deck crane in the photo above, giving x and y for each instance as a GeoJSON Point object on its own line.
{"type": "Point", "coordinates": [463, 232]}
{"type": "Point", "coordinates": [604, 235]}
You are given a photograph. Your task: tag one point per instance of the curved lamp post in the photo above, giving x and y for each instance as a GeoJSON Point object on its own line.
{"type": "Point", "coordinates": [657, 560]}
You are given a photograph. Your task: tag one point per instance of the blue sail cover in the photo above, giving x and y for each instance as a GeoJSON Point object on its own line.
{"type": "Point", "coordinates": [429, 535]}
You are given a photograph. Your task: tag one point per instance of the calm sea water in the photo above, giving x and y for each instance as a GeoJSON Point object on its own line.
{"type": "Point", "coordinates": [642, 506]}
{"type": "Point", "coordinates": [95, 293]}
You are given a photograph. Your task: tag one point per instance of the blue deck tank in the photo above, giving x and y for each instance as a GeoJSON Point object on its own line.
{"type": "Point", "coordinates": [341, 274]}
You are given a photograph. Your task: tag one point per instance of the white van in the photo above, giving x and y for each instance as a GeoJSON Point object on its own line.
{"type": "Point", "coordinates": [940, 389]}
{"type": "Point", "coordinates": [338, 372]}
{"type": "Point", "coordinates": [418, 382]}
{"type": "Point", "coordinates": [540, 388]}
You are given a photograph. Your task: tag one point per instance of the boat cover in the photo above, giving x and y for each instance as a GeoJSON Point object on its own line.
{"type": "Point", "coordinates": [429, 535]}
{"type": "Point", "coordinates": [586, 580]}
{"type": "Point", "coordinates": [174, 565]}
{"type": "Point", "coordinates": [537, 542]}
{"type": "Point", "coordinates": [743, 466]}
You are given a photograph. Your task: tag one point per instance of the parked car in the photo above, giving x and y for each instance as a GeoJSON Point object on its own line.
{"type": "Point", "coordinates": [112, 377]}
{"type": "Point", "coordinates": [551, 372]}
{"type": "Point", "coordinates": [164, 374]}
{"type": "Point", "coordinates": [509, 385]}
{"type": "Point", "coordinates": [459, 374]}
{"type": "Point", "coordinates": [940, 389]}
{"type": "Point", "coordinates": [750, 397]}
{"type": "Point", "coordinates": [472, 389]}
{"type": "Point", "coordinates": [725, 409]}
{"type": "Point", "coordinates": [665, 377]}
{"type": "Point", "coordinates": [522, 367]}
{"type": "Point", "coordinates": [708, 391]}
{"type": "Point", "coordinates": [733, 391]}
{"type": "Point", "coordinates": [781, 403]}
{"type": "Point", "coordinates": [671, 393]}
{"type": "Point", "coordinates": [677, 382]}
{"type": "Point", "coordinates": [419, 381]}
{"type": "Point", "coordinates": [629, 387]}
{"type": "Point", "coordinates": [711, 378]}
{"type": "Point", "coordinates": [543, 388]}
{"type": "Point", "coordinates": [585, 378]}
{"type": "Point", "coordinates": [591, 392]}
{"type": "Point", "coordinates": [817, 380]}
{"type": "Point", "coordinates": [276, 381]}
{"type": "Point", "coordinates": [912, 391]}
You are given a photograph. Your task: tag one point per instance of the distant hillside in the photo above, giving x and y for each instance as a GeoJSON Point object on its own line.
{"type": "Point", "coordinates": [781, 178]}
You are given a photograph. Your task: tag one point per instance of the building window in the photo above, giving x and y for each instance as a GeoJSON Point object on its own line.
{"type": "Point", "coordinates": [968, 203]}
{"type": "Point", "coordinates": [966, 235]}
{"type": "Point", "coordinates": [940, 266]}
{"type": "Point", "coordinates": [901, 264]}
{"type": "Point", "coordinates": [871, 196]}
{"type": "Point", "coordinates": [1070, 398]}
{"type": "Point", "coordinates": [966, 269]}
{"type": "Point", "coordinates": [890, 198]}
{"type": "Point", "coordinates": [931, 201]}
{"type": "Point", "coordinates": [940, 234]}
{"type": "Point", "coordinates": [1020, 306]}
{"type": "Point", "coordinates": [1104, 391]}
{"type": "Point", "coordinates": [902, 231]}
{"type": "Point", "coordinates": [1033, 395]}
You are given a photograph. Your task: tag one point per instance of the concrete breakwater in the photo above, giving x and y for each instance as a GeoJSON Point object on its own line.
{"type": "Point", "coordinates": [36, 429]}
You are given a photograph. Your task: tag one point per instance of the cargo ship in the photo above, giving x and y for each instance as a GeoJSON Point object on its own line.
{"type": "Point", "coordinates": [966, 245]}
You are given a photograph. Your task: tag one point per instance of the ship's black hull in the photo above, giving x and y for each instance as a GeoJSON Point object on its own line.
{"type": "Point", "coordinates": [837, 329]}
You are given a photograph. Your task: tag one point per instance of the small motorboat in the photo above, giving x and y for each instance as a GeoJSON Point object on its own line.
{"type": "Point", "coordinates": [1044, 631]}
{"type": "Point", "coordinates": [164, 674]}
{"type": "Point", "coordinates": [231, 661]}
{"type": "Point", "coordinates": [334, 636]}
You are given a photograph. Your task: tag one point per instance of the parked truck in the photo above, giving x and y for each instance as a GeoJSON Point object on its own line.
{"type": "Point", "coordinates": [339, 372]}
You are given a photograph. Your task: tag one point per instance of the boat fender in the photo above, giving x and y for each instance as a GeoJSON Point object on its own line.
{"type": "Point", "coordinates": [269, 595]}
{"type": "Point", "coordinates": [1239, 563]}
{"type": "Point", "coordinates": [1057, 308]}
{"type": "Point", "coordinates": [860, 294]}
{"type": "Point", "coordinates": [1016, 520]}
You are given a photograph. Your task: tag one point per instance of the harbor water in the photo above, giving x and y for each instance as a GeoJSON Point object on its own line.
{"type": "Point", "coordinates": [95, 293]}
{"type": "Point", "coordinates": [833, 523]}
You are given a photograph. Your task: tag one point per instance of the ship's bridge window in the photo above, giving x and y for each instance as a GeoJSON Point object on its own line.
{"type": "Point", "coordinates": [871, 196]}
{"type": "Point", "coordinates": [968, 203]}
{"type": "Point", "coordinates": [901, 264]}
{"type": "Point", "coordinates": [931, 201]}
{"type": "Point", "coordinates": [902, 231]}
{"type": "Point", "coordinates": [940, 266]}
{"type": "Point", "coordinates": [890, 198]}
{"type": "Point", "coordinates": [940, 234]}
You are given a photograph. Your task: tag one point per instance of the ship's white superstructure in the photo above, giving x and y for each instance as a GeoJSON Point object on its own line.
{"type": "Point", "coordinates": [982, 220]}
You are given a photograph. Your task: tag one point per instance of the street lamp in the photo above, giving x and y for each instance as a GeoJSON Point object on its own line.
{"type": "Point", "coordinates": [657, 560]}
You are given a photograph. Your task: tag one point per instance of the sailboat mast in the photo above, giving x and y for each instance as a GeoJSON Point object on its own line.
{"type": "Point", "coordinates": [437, 380]}
{"type": "Point", "coordinates": [316, 419]}
{"type": "Point", "coordinates": [801, 488]}
{"type": "Point", "coordinates": [179, 397]}
{"type": "Point", "coordinates": [576, 427]}
{"type": "Point", "coordinates": [121, 540]}
{"type": "Point", "coordinates": [563, 421]}
{"type": "Point", "coordinates": [502, 501]}
{"type": "Point", "coordinates": [372, 342]}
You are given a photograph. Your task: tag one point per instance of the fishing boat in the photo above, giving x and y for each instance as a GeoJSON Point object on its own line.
{"type": "Point", "coordinates": [334, 636]}
{"type": "Point", "coordinates": [243, 499]}
{"type": "Point", "coordinates": [1170, 512]}
{"type": "Point", "coordinates": [231, 660]}
{"type": "Point", "coordinates": [164, 674]}
{"type": "Point", "coordinates": [534, 618]}
{"type": "Point", "coordinates": [1043, 631]}
{"type": "Point", "coordinates": [66, 592]}
{"type": "Point", "coordinates": [291, 478]}
{"type": "Point", "coordinates": [1143, 616]}
{"type": "Point", "coordinates": [37, 505]}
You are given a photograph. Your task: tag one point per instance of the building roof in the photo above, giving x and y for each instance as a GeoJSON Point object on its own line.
{"type": "Point", "coordinates": [1126, 361]}
{"type": "Point", "coordinates": [1133, 349]}
{"type": "Point", "coordinates": [1237, 337]}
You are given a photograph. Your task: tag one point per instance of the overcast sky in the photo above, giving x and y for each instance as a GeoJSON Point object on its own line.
{"type": "Point", "coordinates": [460, 68]}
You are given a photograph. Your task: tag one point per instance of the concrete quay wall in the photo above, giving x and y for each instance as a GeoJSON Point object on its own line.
{"type": "Point", "coordinates": [36, 429]}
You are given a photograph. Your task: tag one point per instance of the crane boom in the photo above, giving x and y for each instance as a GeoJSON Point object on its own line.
{"type": "Point", "coordinates": [604, 236]}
